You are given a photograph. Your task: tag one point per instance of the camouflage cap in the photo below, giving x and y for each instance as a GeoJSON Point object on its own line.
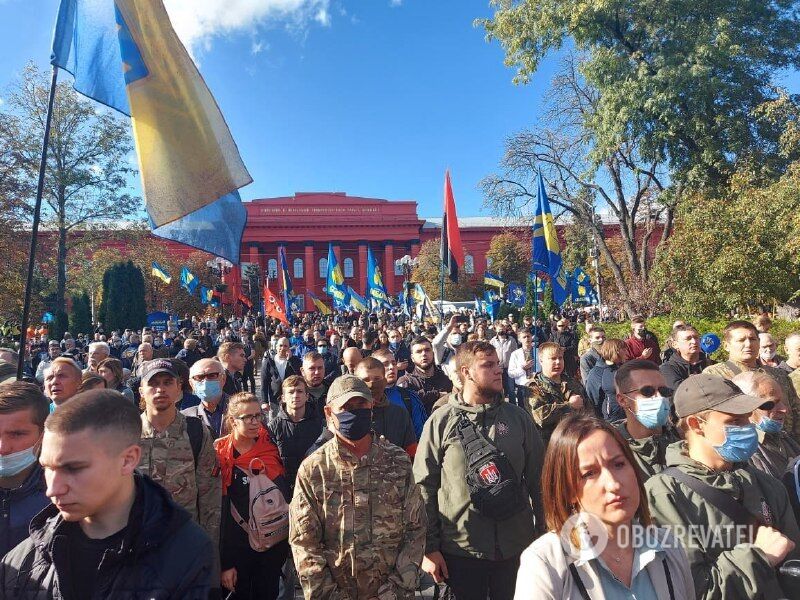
{"type": "Point", "coordinates": [153, 367]}
{"type": "Point", "coordinates": [345, 387]}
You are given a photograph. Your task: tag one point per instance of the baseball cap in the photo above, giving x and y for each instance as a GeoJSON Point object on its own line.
{"type": "Point", "coordinates": [709, 392]}
{"type": "Point", "coordinates": [345, 387]}
{"type": "Point", "coordinates": [153, 367]}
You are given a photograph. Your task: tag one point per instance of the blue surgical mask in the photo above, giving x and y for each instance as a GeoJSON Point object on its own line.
{"type": "Point", "coordinates": [16, 462]}
{"type": "Point", "coordinates": [322, 350]}
{"type": "Point", "coordinates": [740, 443]}
{"type": "Point", "coordinates": [768, 425]}
{"type": "Point", "coordinates": [354, 424]}
{"type": "Point", "coordinates": [207, 390]}
{"type": "Point", "coordinates": [652, 412]}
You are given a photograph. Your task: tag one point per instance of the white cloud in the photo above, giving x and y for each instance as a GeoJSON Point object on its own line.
{"type": "Point", "coordinates": [258, 46]}
{"type": "Point", "coordinates": [198, 22]}
{"type": "Point", "coordinates": [2, 102]}
{"type": "Point", "coordinates": [394, 3]}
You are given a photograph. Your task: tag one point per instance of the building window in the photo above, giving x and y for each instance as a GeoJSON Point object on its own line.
{"type": "Point", "coordinates": [323, 268]}
{"type": "Point", "coordinates": [469, 264]}
{"type": "Point", "coordinates": [348, 268]}
{"type": "Point", "coordinates": [488, 262]}
{"type": "Point", "coordinates": [272, 268]}
{"type": "Point", "coordinates": [298, 268]}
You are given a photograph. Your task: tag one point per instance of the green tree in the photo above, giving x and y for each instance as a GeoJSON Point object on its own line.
{"type": "Point", "coordinates": [123, 304]}
{"type": "Point", "coordinates": [427, 275]}
{"type": "Point", "coordinates": [686, 79]}
{"type": "Point", "coordinates": [88, 166]}
{"type": "Point", "coordinates": [80, 317]}
{"type": "Point", "coordinates": [510, 257]}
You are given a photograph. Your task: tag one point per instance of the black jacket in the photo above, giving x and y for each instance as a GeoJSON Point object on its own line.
{"type": "Point", "coordinates": [428, 388]}
{"type": "Point", "coordinates": [271, 379]}
{"type": "Point", "coordinates": [677, 369]}
{"type": "Point", "coordinates": [163, 555]}
{"type": "Point", "coordinates": [294, 440]}
{"type": "Point", "coordinates": [19, 506]}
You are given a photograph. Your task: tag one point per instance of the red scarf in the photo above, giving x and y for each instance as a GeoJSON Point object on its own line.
{"type": "Point", "coordinates": [263, 449]}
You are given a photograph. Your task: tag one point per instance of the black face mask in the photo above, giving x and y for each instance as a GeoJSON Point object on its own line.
{"type": "Point", "coordinates": [354, 424]}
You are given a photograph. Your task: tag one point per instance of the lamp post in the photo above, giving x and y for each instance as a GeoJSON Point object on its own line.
{"type": "Point", "coordinates": [220, 267]}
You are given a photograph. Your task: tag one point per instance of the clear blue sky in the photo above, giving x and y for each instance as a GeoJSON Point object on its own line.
{"type": "Point", "coordinates": [370, 97]}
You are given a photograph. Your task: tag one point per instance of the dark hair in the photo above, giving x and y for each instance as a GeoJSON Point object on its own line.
{"type": "Point", "coordinates": [466, 353]}
{"type": "Point", "coordinates": [19, 395]}
{"type": "Point", "coordinates": [637, 319]}
{"type": "Point", "coordinates": [421, 340]}
{"type": "Point", "coordinates": [182, 369]}
{"type": "Point", "coordinates": [683, 328]}
{"type": "Point", "coordinates": [622, 378]}
{"type": "Point", "coordinates": [370, 363]}
{"type": "Point", "coordinates": [90, 381]}
{"type": "Point", "coordinates": [100, 411]}
{"type": "Point", "coordinates": [561, 471]}
{"type": "Point", "coordinates": [733, 325]}
{"type": "Point", "coordinates": [115, 366]}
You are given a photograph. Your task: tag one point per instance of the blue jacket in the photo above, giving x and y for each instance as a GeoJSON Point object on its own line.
{"type": "Point", "coordinates": [418, 413]}
{"type": "Point", "coordinates": [601, 391]}
{"type": "Point", "coordinates": [19, 506]}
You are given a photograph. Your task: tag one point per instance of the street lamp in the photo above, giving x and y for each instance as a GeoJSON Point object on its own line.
{"type": "Point", "coordinates": [406, 264]}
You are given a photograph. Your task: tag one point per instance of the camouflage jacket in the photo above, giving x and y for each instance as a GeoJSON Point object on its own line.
{"type": "Point", "coordinates": [167, 458]}
{"type": "Point", "coordinates": [729, 369]}
{"type": "Point", "coordinates": [548, 401]}
{"type": "Point", "coordinates": [357, 527]}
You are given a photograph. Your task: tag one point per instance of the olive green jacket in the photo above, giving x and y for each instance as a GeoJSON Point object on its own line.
{"type": "Point", "coordinates": [650, 452]}
{"type": "Point", "coordinates": [721, 567]}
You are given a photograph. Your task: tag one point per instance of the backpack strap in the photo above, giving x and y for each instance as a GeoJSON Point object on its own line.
{"type": "Point", "coordinates": [578, 581]}
{"type": "Point", "coordinates": [194, 429]}
{"type": "Point", "coordinates": [475, 445]}
{"type": "Point", "coordinates": [723, 501]}
{"type": "Point", "coordinates": [669, 580]}
{"type": "Point", "coordinates": [732, 366]}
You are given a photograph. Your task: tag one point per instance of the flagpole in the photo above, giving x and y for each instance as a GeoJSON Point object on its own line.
{"type": "Point", "coordinates": [26, 307]}
{"type": "Point", "coordinates": [535, 316]}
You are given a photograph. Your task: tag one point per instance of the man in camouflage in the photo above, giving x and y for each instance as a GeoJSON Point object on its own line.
{"type": "Point", "coordinates": [742, 343]}
{"type": "Point", "coordinates": [167, 453]}
{"type": "Point", "coordinates": [357, 527]}
{"type": "Point", "coordinates": [553, 394]}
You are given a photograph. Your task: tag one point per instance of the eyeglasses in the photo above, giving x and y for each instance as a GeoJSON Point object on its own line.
{"type": "Point", "coordinates": [648, 391]}
{"type": "Point", "coordinates": [204, 376]}
{"type": "Point", "coordinates": [251, 419]}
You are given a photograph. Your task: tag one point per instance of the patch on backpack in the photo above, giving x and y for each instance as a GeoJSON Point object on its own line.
{"type": "Point", "coordinates": [489, 473]}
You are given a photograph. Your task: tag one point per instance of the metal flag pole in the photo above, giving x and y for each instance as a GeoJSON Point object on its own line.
{"type": "Point", "coordinates": [535, 317]}
{"type": "Point", "coordinates": [37, 209]}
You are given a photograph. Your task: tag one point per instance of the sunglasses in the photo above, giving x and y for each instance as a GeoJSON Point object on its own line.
{"type": "Point", "coordinates": [649, 391]}
{"type": "Point", "coordinates": [204, 376]}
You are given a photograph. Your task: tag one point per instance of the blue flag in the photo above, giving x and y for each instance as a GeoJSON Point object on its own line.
{"type": "Point", "coordinates": [287, 285]}
{"type": "Point", "coordinates": [335, 286]}
{"type": "Point", "coordinates": [125, 54]}
{"type": "Point", "coordinates": [491, 303]}
{"type": "Point", "coordinates": [188, 280]}
{"type": "Point", "coordinates": [493, 280]}
{"type": "Point", "coordinates": [546, 252]}
{"type": "Point", "coordinates": [206, 295]}
{"type": "Point", "coordinates": [357, 302]}
{"type": "Point", "coordinates": [516, 294]}
{"type": "Point", "coordinates": [376, 291]}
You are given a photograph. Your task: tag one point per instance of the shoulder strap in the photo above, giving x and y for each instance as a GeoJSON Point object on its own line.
{"type": "Point", "coordinates": [719, 499]}
{"type": "Point", "coordinates": [194, 429]}
{"type": "Point", "coordinates": [732, 366]}
{"type": "Point", "coordinates": [669, 579]}
{"type": "Point", "coordinates": [578, 581]}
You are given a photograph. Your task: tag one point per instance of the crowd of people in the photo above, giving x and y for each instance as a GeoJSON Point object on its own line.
{"type": "Point", "coordinates": [368, 456]}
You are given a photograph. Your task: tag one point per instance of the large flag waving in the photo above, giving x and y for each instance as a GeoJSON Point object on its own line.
{"type": "Point", "coordinates": [125, 54]}
{"type": "Point", "coordinates": [161, 273]}
{"type": "Point", "coordinates": [321, 306]}
{"type": "Point", "coordinates": [451, 252]}
{"type": "Point", "coordinates": [335, 286]}
{"type": "Point", "coordinates": [287, 284]}
{"type": "Point", "coordinates": [375, 289]}
{"type": "Point", "coordinates": [273, 306]}
{"type": "Point", "coordinates": [546, 252]}
{"type": "Point", "coordinates": [189, 281]}
{"type": "Point", "coordinates": [357, 301]}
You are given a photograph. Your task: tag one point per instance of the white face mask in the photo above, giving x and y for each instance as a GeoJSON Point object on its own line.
{"type": "Point", "coordinates": [16, 462]}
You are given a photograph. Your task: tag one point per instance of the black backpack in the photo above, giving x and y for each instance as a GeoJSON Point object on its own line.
{"type": "Point", "coordinates": [493, 487]}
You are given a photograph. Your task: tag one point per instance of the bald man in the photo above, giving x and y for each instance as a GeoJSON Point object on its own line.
{"type": "Point", "coordinates": [277, 365]}
{"type": "Point", "coordinates": [350, 359]}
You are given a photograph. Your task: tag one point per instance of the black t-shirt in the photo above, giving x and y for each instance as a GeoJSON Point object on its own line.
{"type": "Point", "coordinates": [84, 558]}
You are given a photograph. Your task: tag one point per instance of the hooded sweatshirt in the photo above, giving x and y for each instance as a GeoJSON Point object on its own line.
{"type": "Point", "coordinates": [719, 569]}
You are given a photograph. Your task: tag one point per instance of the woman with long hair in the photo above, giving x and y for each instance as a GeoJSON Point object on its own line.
{"type": "Point", "coordinates": [601, 542]}
{"type": "Point", "coordinates": [246, 572]}
{"type": "Point", "coordinates": [110, 369]}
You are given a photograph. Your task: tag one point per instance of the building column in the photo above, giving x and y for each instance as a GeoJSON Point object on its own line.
{"type": "Point", "coordinates": [362, 268]}
{"type": "Point", "coordinates": [308, 265]}
{"type": "Point", "coordinates": [414, 248]}
{"type": "Point", "coordinates": [388, 268]}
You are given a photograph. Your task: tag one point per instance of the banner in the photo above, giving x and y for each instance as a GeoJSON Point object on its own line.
{"type": "Point", "coordinates": [273, 306]}
{"type": "Point", "coordinates": [545, 251]}
{"type": "Point", "coordinates": [161, 273]}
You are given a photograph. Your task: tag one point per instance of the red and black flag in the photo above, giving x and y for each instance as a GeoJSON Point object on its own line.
{"type": "Point", "coordinates": [452, 252]}
{"type": "Point", "coordinates": [273, 307]}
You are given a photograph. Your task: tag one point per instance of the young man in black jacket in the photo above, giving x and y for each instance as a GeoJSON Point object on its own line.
{"type": "Point", "coordinates": [110, 532]}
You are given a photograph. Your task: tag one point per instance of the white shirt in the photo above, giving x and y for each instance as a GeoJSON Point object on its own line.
{"type": "Point", "coordinates": [516, 366]}
{"type": "Point", "coordinates": [280, 364]}
{"type": "Point", "coordinates": [504, 348]}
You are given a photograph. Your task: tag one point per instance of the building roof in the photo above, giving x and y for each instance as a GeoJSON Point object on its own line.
{"type": "Point", "coordinates": [477, 222]}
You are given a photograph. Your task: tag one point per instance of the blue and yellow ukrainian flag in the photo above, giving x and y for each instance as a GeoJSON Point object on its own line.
{"type": "Point", "coordinates": [206, 295]}
{"type": "Point", "coordinates": [375, 289]}
{"type": "Point", "coordinates": [334, 285]}
{"type": "Point", "coordinates": [189, 281]}
{"type": "Point", "coordinates": [125, 54]}
{"type": "Point", "coordinates": [492, 279]}
{"type": "Point", "coordinates": [321, 306]}
{"type": "Point", "coordinates": [161, 273]}
{"type": "Point", "coordinates": [287, 285]}
{"type": "Point", "coordinates": [545, 251]}
{"type": "Point", "coordinates": [357, 302]}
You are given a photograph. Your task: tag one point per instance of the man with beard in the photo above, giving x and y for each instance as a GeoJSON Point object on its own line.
{"type": "Point", "coordinates": [313, 372]}
{"type": "Point", "coordinates": [427, 379]}
{"type": "Point", "coordinates": [597, 335]}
